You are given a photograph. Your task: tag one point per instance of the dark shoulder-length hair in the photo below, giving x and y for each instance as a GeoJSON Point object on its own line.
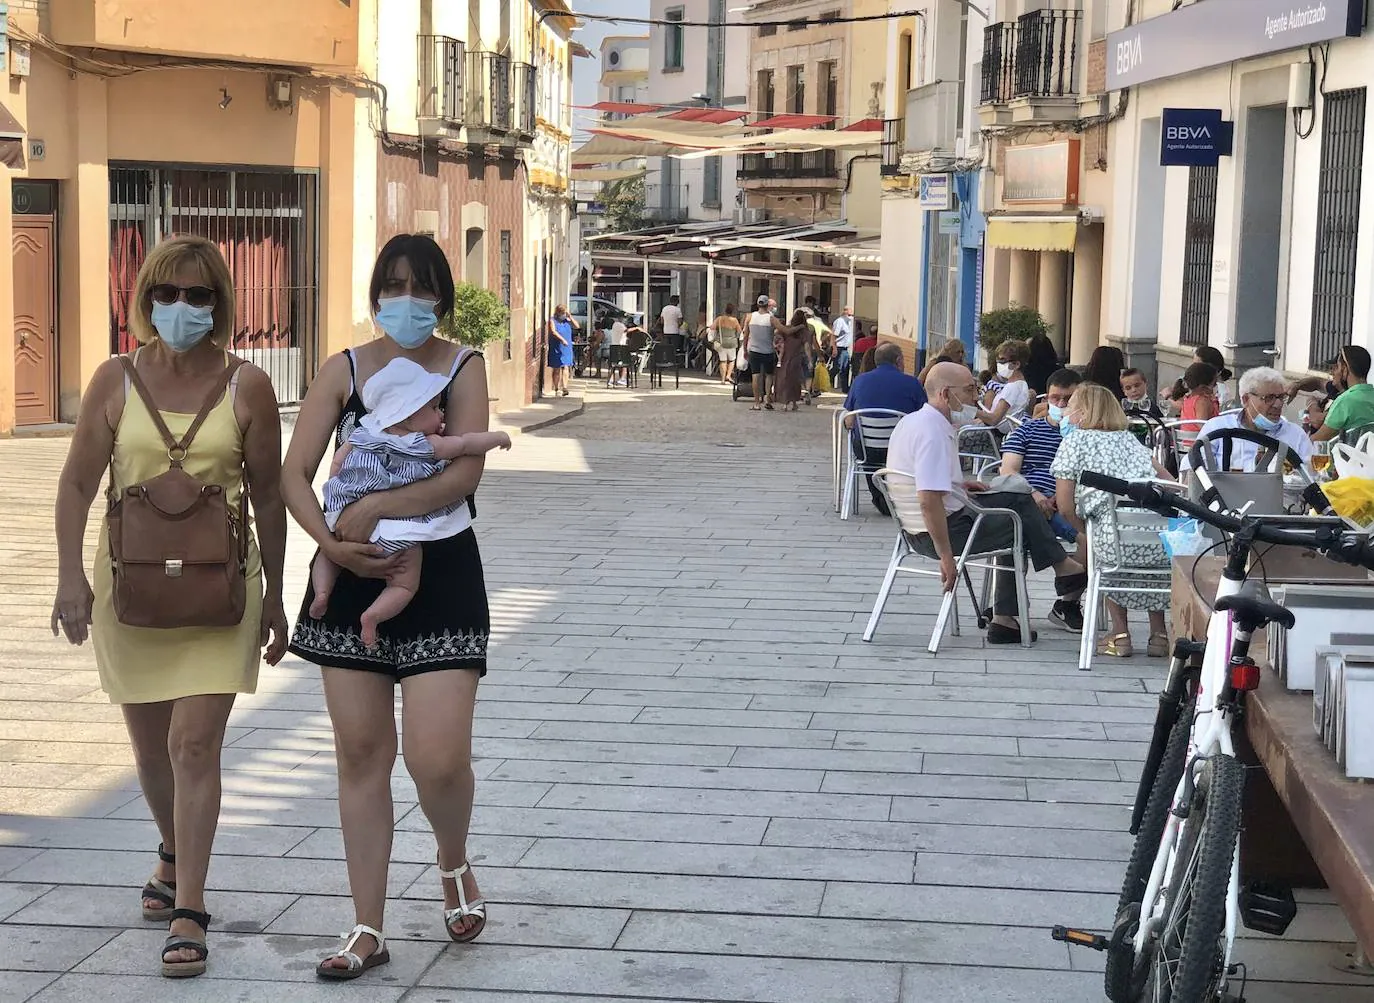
{"type": "Point", "coordinates": [1104, 368]}
{"type": "Point", "coordinates": [427, 264]}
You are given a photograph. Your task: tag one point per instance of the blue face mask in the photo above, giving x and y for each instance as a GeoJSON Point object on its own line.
{"type": "Point", "coordinates": [181, 326]}
{"type": "Point", "coordinates": [1266, 424]}
{"type": "Point", "coordinates": [1056, 414]}
{"type": "Point", "coordinates": [408, 320]}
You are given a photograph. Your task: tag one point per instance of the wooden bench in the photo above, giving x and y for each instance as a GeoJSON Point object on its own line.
{"type": "Point", "coordinates": [1304, 821]}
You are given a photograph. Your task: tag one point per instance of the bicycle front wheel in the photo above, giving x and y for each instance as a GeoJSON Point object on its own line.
{"type": "Point", "coordinates": [1190, 952]}
{"type": "Point", "coordinates": [1121, 977]}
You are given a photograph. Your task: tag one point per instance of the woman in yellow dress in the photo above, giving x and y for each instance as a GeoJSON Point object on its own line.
{"type": "Point", "coordinates": [176, 686]}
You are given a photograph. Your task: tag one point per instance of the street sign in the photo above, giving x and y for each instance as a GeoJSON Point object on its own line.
{"type": "Point", "coordinates": [934, 191]}
{"type": "Point", "coordinates": [1194, 137]}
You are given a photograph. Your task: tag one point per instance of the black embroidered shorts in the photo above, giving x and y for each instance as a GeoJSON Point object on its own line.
{"type": "Point", "coordinates": [446, 625]}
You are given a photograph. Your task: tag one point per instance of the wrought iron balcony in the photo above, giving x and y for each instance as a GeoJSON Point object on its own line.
{"type": "Point", "coordinates": [1036, 56]}
{"type": "Point", "coordinates": [489, 103]}
{"type": "Point", "coordinates": [525, 86]}
{"type": "Point", "coordinates": [442, 72]}
{"type": "Point", "coordinates": [813, 165]}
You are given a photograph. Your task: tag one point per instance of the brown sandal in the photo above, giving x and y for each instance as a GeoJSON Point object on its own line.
{"type": "Point", "coordinates": [157, 890]}
{"type": "Point", "coordinates": [1116, 645]}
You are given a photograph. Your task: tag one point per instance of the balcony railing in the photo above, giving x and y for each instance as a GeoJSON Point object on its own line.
{"type": "Point", "coordinates": [489, 92]}
{"type": "Point", "coordinates": [781, 166]}
{"type": "Point", "coordinates": [441, 79]}
{"type": "Point", "coordinates": [894, 131]}
{"type": "Point", "coordinates": [525, 86]}
{"type": "Point", "coordinates": [1035, 56]}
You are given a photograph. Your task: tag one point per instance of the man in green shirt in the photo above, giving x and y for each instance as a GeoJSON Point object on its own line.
{"type": "Point", "coordinates": [1355, 406]}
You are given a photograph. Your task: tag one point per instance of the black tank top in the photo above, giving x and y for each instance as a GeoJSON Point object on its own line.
{"type": "Point", "coordinates": [353, 409]}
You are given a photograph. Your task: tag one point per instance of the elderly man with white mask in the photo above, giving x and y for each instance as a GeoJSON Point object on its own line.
{"type": "Point", "coordinates": [1263, 393]}
{"type": "Point", "coordinates": [924, 446]}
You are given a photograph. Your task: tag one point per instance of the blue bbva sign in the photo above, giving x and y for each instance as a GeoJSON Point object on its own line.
{"type": "Point", "coordinates": [1194, 137]}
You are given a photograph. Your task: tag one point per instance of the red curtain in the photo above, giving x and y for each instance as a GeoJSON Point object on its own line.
{"type": "Point", "coordinates": [126, 257]}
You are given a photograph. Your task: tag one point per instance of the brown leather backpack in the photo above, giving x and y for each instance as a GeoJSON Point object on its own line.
{"type": "Point", "coordinates": [180, 553]}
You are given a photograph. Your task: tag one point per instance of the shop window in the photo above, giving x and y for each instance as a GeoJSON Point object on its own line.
{"type": "Point", "coordinates": [1338, 218]}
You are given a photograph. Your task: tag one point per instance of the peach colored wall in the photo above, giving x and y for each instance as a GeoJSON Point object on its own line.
{"type": "Point", "coordinates": [165, 116]}
{"type": "Point", "coordinates": [300, 32]}
{"type": "Point", "coordinates": [174, 116]}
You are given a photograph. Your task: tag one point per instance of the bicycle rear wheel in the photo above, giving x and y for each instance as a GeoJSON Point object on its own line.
{"type": "Point", "coordinates": [1190, 952]}
{"type": "Point", "coordinates": [1123, 982]}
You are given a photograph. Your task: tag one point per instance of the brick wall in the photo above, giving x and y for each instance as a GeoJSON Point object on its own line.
{"type": "Point", "coordinates": [442, 182]}
{"type": "Point", "coordinates": [1096, 79]}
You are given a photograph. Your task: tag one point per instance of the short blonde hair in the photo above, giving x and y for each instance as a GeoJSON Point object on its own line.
{"type": "Point", "coordinates": [162, 264]}
{"type": "Point", "coordinates": [1098, 408]}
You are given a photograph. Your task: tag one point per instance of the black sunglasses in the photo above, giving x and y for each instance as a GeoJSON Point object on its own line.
{"type": "Point", "coordinates": [167, 293]}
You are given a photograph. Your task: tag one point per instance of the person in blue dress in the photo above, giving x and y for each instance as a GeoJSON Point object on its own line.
{"type": "Point", "coordinates": [561, 328]}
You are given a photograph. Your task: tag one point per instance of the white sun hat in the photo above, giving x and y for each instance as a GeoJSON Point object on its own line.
{"type": "Point", "coordinates": [397, 391]}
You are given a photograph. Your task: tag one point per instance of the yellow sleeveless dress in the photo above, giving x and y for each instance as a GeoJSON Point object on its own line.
{"type": "Point", "coordinates": [146, 665]}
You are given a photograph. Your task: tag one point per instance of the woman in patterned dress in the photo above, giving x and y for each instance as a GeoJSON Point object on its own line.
{"type": "Point", "coordinates": [436, 648]}
{"type": "Point", "coordinates": [1096, 438]}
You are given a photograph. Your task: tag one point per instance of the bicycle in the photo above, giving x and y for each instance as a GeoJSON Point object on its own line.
{"type": "Point", "coordinates": [1181, 903]}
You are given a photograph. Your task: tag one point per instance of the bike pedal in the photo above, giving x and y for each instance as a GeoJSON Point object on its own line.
{"type": "Point", "coordinates": [1267, 908]}
{"type": "Point", "coordinates": [1080, 938]}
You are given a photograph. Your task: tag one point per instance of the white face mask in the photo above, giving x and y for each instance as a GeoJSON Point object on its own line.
{"type": "Point", "coordinates": [1005, 369]}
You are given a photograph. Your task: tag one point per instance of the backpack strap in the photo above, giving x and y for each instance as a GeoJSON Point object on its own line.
{"type": "Point", "coordinates": [176, 451]}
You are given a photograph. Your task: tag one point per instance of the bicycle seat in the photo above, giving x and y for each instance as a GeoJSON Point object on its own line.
{"type": "Point", "coordinates": [1253, 609]}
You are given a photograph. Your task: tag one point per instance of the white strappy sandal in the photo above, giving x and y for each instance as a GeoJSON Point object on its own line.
{"type": "Point", "coordinates": [356, 965]}
{"type": "Point", "coordinates": [477, 907]}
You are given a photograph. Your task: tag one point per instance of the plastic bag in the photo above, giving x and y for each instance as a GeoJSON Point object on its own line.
{"type": "Point", "coordinates": [822, 378]}
{"type": "Point", "coordinates": [1354, 461]}
{"type": "Point", "coordinates": [1352, 497]}
{"type": "Point", "coordinates": [1184, 538]}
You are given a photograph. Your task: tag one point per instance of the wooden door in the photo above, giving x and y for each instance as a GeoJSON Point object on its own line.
{"type": "Point", "coordinates": [35, 317]}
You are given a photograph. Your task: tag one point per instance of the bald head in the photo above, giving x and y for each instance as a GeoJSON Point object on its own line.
{"type": "Point", "coordinates": [952, 377]}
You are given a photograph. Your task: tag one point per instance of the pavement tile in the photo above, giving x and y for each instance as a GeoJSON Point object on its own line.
{"type": "Point", "coordinates": [90, 905]}
{"type": "Point", "coordinates": [50, 948]}
{"type": "Point", "coordinates": [668, 777]}
{"type": "Point", "coordinates": [208, 989]}
{"type": "Point", "coordinates": [657, 976]}
{"type": "Point", "coordinates": [842, 939]}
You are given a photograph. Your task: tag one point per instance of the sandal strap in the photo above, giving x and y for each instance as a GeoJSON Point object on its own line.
{"type": "Point", "coordinates": [164, 856]}
{"type": "Point", "coordinates": [161, 891]}
{"type": "Point", "coordinates": [477, 907]}
{"type": "Point", "coordinates": [351, 937]}
{"type": "Point", "coordinates": [456, 874]}
{"type": "Point", "coordinates": [186, 944]}
{"type": "Point", "coordinates": [201, 919]}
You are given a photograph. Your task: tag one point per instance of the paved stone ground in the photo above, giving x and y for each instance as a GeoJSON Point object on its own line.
{"type": "Point", "coordinates": [695, 782]}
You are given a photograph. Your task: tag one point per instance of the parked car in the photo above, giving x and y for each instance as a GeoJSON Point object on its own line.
{"type": "Point", "coordinates": [606, 312]}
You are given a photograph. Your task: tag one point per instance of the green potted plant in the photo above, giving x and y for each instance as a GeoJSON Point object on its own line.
{"type": "Point", "coordinates": [478, 317]}
{"type": "Point", "coordinates": [1011, 322]}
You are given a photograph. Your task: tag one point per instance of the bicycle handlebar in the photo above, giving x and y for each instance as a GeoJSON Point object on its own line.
{"type": "Point", "coordinates": [1339, 544]}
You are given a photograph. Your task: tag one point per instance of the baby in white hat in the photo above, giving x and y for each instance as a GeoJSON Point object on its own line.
{"type": "Point", "coordinates": [398, 442]}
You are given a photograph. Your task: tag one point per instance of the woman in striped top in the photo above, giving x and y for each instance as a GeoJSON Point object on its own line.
{"type": "Point", "coordinates": [398, 442]}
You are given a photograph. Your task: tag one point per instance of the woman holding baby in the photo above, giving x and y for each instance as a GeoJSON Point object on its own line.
{"type": "Point", "coordinates": [397, 593]}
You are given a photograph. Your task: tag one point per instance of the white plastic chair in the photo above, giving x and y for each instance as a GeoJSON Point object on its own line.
{"type": "Point", "coordinates": [839, 453]}
{"type": "Point", "coordinates": [872, 430]}
{"type": "Point", "coordinates": [1131, 526]}
{"type": "Point", "coordinates": [904, 503]}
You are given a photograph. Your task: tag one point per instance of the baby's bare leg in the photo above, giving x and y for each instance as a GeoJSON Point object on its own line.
{"type": "Point", "coordinates": [323, 574]}
{"type": "Point", "coordinates": [400, 589]}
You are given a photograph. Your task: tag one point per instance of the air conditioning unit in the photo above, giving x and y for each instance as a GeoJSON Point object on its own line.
{"type": "Point", "coordinates": [755, 214]}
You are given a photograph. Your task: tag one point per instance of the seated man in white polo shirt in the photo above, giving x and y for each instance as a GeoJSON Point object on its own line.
{"type": "Point", "coordinates": [1263, 393]}
{"type": "Point", "coordinates": [923, 445]}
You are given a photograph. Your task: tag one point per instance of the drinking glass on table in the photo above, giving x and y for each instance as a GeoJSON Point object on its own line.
{"type": "Point", "coordinates": [1321, 460]}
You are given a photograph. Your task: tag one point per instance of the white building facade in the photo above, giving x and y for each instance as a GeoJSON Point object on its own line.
{"type": "Point", "coordinates": [1260, 250]}
{"type": "Point", "coordinates": [624, 69]}
{"type": "Point", "coordinates": [694, 67]}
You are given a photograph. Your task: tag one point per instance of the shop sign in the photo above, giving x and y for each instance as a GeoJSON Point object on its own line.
{"type": "Point", "coordinates": [933, 192]}
{"type": "Point", "coordinates": [949, 223]}
{"type": "Point", "coordinates": [1193, 137]}
{"type": "Point", "coordinates": [1222, 31]}
{"type": "Point", "coordinates": [1046, 173]}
